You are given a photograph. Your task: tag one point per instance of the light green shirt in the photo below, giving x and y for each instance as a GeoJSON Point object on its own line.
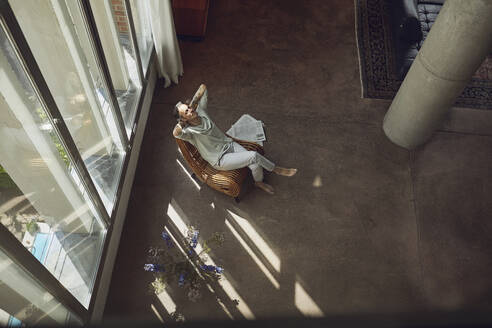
{"type": "Point", "coordinates": [210, 141]}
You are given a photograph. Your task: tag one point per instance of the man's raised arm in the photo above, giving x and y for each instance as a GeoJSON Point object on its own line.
{"type": "Point", "coordinates": [198, 95]}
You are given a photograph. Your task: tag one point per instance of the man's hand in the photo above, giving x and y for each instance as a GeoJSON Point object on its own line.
{"type": "Point", "coordinates": [177, 130]}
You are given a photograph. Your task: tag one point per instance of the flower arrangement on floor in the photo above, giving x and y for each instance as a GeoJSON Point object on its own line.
{"type": "Point", "coordinates": [169, 264]}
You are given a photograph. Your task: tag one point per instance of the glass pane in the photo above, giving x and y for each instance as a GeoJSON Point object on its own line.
{"type": "Point", "coordinates": [143, 31]}
{"type": "Point", "coordinates": [24, 301]}
{"type": "Point", "coordinates": [56, 34]}
{"type": "Point", "coordinates": [112, 26]}
{"type": "Point", "coordinates": [42, 200]}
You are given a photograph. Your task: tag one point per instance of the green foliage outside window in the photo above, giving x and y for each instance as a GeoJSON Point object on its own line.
{"type": "Point", "coordinates": [54, 138]}
{"type": "Point", "coordinates": [32, 227]}
{"type": "Point", "coordinates": [5, 180]}
{"type": "Point", "coordinates": [60, 149]}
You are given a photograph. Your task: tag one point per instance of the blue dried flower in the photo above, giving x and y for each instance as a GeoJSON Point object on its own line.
{"type": "Point", "coordinates": [167, 239]}
{"type": "Point", "coordinates": [165, 236]}
{"type": "Point", "coordinates": [194, 239]}
{"type": "Point", "coordinates": [212, 268]}
{"type": "Point", "coordinates": [207, 267]}
{"type": "Point", "coordinates": [181, 280]}
{"type": "Point", "coordinates": [154, 267]}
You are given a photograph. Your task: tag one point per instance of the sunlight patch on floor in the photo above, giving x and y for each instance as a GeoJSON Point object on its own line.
{"type": "Point", "coordinates": [167, 302]}
{"type": "Point", "coordinates": [231, 292]}
{"type": "Point", "coordinates": [176, 218]}
{"type": "Point", "coordinates": [305, 303]}
{"type": "Point", "coordinates": [228, 288]}
{"type": "Point", "coordinates": [182, 251]}
{"type": "Point", "coordinates": [156, 313]}
{"type": "Point", "coordinates": [222, 305]}
{"type": "Point", "coordinates": [317, 181]}
{"type": "Point", "coordinates": [233, 295]}
{"type": "Point", "coordinates": [253, 256]}
{"type": "Point", "coordinates": [255, 237]}
{"type": "Point", "coordinates": [224, 308]}
{"type": "Point", "coordinates": [188, 174]}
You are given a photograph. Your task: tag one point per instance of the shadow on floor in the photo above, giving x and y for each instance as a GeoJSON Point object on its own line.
{"type": "Point", "coordinates": [364, 227]}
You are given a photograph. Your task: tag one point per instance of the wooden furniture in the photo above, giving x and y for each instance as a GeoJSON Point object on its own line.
{"type": "Point", "coordinates": [228, 182]}
{"type": "Point", "coordinates": [190, 17]}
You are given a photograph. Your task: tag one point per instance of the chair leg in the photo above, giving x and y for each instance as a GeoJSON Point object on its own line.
{"type": "Point", "coordinates": [237, 199]}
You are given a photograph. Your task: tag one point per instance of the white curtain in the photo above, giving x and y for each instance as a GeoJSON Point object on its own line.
{"type": "Point", "coordinates": [165, 41]}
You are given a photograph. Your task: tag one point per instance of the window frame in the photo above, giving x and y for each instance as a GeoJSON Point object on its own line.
{"type": "Point", "coordinates": [8, 243]}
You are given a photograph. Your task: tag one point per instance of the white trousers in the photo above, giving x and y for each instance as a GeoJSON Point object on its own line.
{"type": "Point", "coordinates": [241, 157]}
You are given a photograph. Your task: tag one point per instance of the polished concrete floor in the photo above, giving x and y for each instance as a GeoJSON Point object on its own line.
{"type": "Point", "coordinates": [364, 227]}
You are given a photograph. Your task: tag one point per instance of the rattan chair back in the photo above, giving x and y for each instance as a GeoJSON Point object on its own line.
{"type": "Point", "coordinates": [228, 182]}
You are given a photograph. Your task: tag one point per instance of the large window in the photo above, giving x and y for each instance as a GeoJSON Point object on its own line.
{"type": "Point", "coordinates": [45, 205]}
{"type": "Point", "coordinates": [57, 36]}
{"type": "Point", "coordinates": [114, 28]}
{"type": "Point", "coordinates": [141, 17]}
{"type": "Point", "coordinates": [71, 76]}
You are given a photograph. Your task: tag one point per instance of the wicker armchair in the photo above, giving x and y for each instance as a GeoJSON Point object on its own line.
{"type": "Point", "coordinates": [228, 182]}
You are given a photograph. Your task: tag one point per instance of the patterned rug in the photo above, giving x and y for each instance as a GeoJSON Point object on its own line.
{"type": "Point", "coordinates": [377, 60]}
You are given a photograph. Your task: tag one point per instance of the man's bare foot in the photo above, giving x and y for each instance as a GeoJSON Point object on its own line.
{"type": "Point", "coordinates": [285, 172]}
{"type": "Point", "coordinates": [265, 187]}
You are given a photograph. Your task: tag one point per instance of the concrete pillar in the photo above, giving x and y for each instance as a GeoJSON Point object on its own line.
{"type": "Point", "coordinates": [457, 44]}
